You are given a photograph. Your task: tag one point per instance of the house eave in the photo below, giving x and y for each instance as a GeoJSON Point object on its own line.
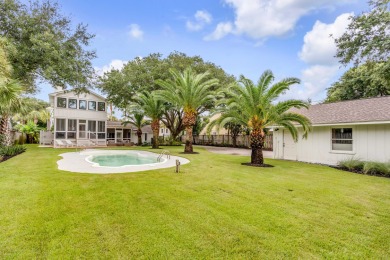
{"type": "Point", "coordinates": [347, 123]}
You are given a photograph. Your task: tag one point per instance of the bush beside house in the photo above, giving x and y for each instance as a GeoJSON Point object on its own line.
{"type": "Point", "coordinates": [369, 168]}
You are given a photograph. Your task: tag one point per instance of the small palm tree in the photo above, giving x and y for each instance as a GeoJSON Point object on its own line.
{"type": "Point", "coordinates": [190, 91]}
{"type": "Point", "coordinates": [10, 103]}
{"type": "Point", "coordinates": [138, 121]}
{"type": "Point", "coordinates": [153, 108]}
{"type": "Point", "coordinates": [254, 106]}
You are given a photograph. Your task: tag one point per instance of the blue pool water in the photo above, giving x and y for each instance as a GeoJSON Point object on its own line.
{"type": "Point", "coordinates": [116, 160]}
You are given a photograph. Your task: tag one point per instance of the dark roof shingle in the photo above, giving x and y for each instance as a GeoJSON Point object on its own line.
{"type": "Point", "coordinates": [362, 110]}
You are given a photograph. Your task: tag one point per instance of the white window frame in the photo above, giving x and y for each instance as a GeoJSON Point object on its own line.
{"type": "Point", "coordinates": [60, 131]}
{"type": "Point", "coordinates": [353, 140]}
{"type": "Point", "coordinates": [66, 103]}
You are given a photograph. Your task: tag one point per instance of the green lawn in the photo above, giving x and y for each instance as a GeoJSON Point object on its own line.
{"type": "Point", "coordinates": [216, 208]}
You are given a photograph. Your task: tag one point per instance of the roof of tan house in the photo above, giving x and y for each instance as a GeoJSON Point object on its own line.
{"type": "Point", "coordinates": [359, 111]}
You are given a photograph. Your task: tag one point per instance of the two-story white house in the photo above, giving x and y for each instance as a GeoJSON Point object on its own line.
{"type": "Point", "coordinates": [82, 119]}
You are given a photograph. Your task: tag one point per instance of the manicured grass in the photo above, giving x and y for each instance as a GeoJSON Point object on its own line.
{"type": "Point", "coordinates": [216, 208]}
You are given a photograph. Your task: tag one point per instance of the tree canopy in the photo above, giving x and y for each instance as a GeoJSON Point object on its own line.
{"type": "Point", "coordinates": [371, 79]}
{"type": "Point", "coordinates": [140, 74]}
{"type": "Point", "coordinates": [367, 37]}
{"type": "Point", "coordinates": [45, 46]}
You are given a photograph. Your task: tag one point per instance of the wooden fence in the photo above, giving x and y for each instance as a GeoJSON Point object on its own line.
{"type": "Point", "coordinates": [226, 140]}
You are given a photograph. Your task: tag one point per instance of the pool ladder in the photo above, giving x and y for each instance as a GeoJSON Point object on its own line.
{"type": "Point", "coordinates": [164, 152]}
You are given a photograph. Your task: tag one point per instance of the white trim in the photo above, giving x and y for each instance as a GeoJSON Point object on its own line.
{"type": "Point", "coordinates": [343, 151]}
{"type": "Point", "coordinates": [54, 94]}
{"type": "Point", "coordinates": [347, 124]}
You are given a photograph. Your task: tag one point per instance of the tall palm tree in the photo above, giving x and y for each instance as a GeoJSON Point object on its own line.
{"type": "Point", "coordinates": [153, 108]}
{"type": "Point", "coordinates": [138, 121]}
{"type": "Point", "coordinates": [10, 103]}
{"type": "Point", "coordinates": [255, 106]}
{"type": "Point", "coordinates": [190, 91]}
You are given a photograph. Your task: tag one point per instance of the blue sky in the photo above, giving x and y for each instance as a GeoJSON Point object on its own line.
{"type": "Point", "coordinates": [290, 37]}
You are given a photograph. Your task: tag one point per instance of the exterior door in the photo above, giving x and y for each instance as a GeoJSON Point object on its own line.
{"type": "Point", "coordinates": [82, 129]}
{"type": "Point", "coordinates": [289, 146]}
{"type": "Point", "coordinates": [118, 136]}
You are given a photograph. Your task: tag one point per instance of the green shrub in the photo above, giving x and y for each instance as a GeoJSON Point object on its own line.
{"type": "Point", "coordinates": [376, 168]}
{"type": "Point", "coordinates": [169, 141]}
{"type": "Point", "coordinates": [9, 151]}
{"type": "Point", "coordinates": [352, 164]}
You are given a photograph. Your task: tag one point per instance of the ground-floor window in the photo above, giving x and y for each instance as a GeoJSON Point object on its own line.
{"type": "Point", "coordinates": [70, 128]}
{"type": "Point", "coordinates": [101, 130]}
{"type": "Point", "coordinates": [342, 139]}
{"type": "Point", "coordinates": [60, 128]}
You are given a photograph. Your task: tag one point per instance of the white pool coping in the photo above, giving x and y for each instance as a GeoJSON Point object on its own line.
{"type": "Point", "coordinates": [78, 162]}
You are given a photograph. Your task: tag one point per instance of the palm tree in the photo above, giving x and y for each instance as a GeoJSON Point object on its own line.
{"type": "Point", "coordinates": [138, 121]}
{"type": "Point", "coordinates": [153, 108]}
{"type": "Point", "coordinates": [190, 91]}
{"type": "Point", "coordinates": [10, 103]}
{"type": "Point", "coordinates": [255, 106]}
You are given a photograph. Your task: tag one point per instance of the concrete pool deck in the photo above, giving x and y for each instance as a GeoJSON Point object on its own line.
{"type": "Point", "coordinates": [76, 162]}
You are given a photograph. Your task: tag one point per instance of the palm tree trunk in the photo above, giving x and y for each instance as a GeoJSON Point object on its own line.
{"type": "Point", "coordinates": [257, 143]}
{"type": "Point", "coordinates": [188, 147]}
{"type": "Point", "coordinates": [234, 137]}
{"type": "Point", "coordinates": [139, 135]}
{"type": "Point", "coordinates": [155, 128]}
{"type": "Point", "coordinates": [189, 121]}
{"type": "Point", "coordinates": [5, 131]}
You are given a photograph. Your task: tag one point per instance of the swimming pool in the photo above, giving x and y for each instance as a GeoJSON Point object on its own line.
{"type": "Point", "coordinates": [101, 161]}
{"type": "Point", "coordinates": [118, 160]}
{"type": "Point", "coordinates": [123, 158]}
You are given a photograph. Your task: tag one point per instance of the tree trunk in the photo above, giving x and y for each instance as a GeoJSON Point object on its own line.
{"type": "Point", "coordinates": [189, 121]}
{"type": "Point", "coordinates": [155, 128]}
{"type": "Point", "coordinates": [234, 139]}
{"type": "Point", "coordinates": [5, 131]}
{"type": "Point", "coordinates": [188, 147]}
{"type": "Point", "coordinates": [257, 143]}
{"type": "Point", "coordinates": [139, 135]}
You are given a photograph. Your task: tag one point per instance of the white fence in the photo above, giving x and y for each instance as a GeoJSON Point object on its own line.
{"type": "Point", "coordinates": [46, 137]}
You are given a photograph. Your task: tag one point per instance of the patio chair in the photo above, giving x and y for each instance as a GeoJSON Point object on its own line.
{"type": "Point", "coordinates": [92, 143]}
{"type": "Point", "coordinates": [69, 143]}
{"type": "Point", "coordinates": [59, 143]}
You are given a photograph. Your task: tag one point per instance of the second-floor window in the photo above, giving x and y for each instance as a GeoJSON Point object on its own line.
{"type": "Point", "coordinates": [101, 106]}
{"type": "Point", "coordinates": [92, 105]}
{"type": "Point", "coordinates": [72, 103]}
{"type": "Point", "coordinates": [61, 102]}
{"type": "Point", "coordinates": [83, 104]}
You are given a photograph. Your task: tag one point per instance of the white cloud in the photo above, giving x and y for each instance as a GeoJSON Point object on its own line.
{"type": "Point", "coordinates": [319, 47]}
{"type": "Point", "coordinates": [114, 64]}
{"type": "Point", "coordinates": [318, 52]}
{"type": "Point", "coordinates": [202, 18]}
{"type": "Point", "coordinates": [136, 32]}
{"type": "Point", "coordinates": [264, 18]}
{"type": "Point", "coordinates": [315, 79]}
{"type": "Point", "coordinates": [221, 30]}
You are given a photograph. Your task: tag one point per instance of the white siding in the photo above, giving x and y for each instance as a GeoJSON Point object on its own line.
{"type": "Point", "coordinates": [78, 113]}
{"type": "Point", "coordinates": [370, 142]}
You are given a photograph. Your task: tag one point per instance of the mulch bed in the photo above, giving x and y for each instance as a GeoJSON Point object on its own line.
{"type": "Point", "coordinates": [5, 158]}
{"type": "Point", "coordinates": [357, 171]}
{"type": "Point", "coordinates": [258, 165]}
{"type": "Point", "coordinates": [189, 153]}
